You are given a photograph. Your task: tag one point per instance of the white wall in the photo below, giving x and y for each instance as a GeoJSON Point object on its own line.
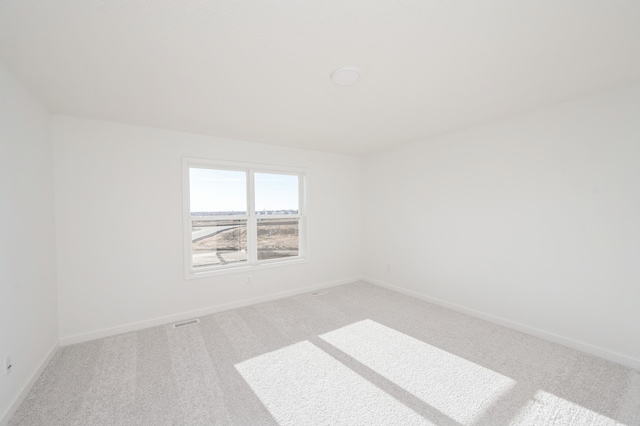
{"type": "Point", "coordinates": [120, 229]}
{"type": "Point", "coordinates": [534, 219]}
{"type": "Point", "coordinates": [28, 299]}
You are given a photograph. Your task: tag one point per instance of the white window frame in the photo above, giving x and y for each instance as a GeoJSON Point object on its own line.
{"type": "Point", "coordinates": [251, 217]}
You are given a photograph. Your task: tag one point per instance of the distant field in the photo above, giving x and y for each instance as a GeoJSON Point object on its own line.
{"type": "Point", "coordinates": [277, 239]}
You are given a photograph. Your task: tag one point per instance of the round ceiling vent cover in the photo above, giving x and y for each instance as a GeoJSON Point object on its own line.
{"type": "Point", "coordinates": [345, 76]}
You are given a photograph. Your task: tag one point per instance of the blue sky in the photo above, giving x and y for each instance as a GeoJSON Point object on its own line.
{"type": "Point", "coordinates": [226, 190]}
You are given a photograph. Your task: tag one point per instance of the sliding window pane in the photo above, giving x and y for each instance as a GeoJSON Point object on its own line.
{"type": "Point", "coordinates": [278, 238]}
{"type": "Point", "coordinates": [218, 242]}
{"type": "Point", "coordinates": [276, 194]}
{"type": "Point", "coordinates": [217, 192]}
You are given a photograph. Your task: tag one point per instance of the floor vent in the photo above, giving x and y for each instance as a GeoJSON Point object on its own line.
{"type": "Point", "coordinates": [183, 323]}
{"type": "Point", "coordinates": [318, 293]}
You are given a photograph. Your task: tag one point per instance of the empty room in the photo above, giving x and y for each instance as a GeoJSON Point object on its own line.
{"type": "Point", "coordinates": [300, 213]}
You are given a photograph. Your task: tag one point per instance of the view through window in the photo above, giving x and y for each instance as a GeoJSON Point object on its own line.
{"type": "Point", "coordinates": [243, 217]}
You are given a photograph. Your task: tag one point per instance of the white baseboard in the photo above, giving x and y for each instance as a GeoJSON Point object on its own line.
{"type": "Point", "coordinates": [625, 360]}
{"type": "Point", "coordinates": [112, 331]}
{"type": "Point", "coordinates": [4, 420]}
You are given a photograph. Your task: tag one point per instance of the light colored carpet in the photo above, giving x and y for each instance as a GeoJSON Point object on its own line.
{"type": "Point", "coordinates": [356, 355]}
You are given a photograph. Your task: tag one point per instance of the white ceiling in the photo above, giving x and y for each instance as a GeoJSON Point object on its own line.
{"type": "Point", "coordinates": [259, 70]}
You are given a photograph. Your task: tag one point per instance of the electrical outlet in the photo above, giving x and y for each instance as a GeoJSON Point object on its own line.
{"type": "Point", "coordinates": [388, 268]}
{"type": "Point", "coordinates": [248, 279]}
{"type": "Point", "coordinates": [7, 365]}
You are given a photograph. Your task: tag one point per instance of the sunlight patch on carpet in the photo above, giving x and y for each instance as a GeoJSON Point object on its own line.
{"type": "Point", "coordinates": [460, 389]}
{"type": "Point", "coordinates": [548, 409]}
{"type": "Point", "coordinates": [302, 385]}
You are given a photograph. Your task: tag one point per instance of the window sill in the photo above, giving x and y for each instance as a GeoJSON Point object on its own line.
{"type": "Point", "coordinates": [244, 269]}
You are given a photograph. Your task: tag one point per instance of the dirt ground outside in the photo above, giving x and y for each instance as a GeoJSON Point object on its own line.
{"type": "Point", "coordinates": [276, 239]}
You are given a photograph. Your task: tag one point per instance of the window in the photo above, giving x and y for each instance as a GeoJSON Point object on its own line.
{"type": "Point", "coordinates": [242, 216]}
